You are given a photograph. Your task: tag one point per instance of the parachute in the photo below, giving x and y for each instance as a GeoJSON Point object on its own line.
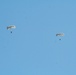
{"type": "Point", "coordinates": [11, 27]}
{"type": "Point", "coordinates": [60, 35]}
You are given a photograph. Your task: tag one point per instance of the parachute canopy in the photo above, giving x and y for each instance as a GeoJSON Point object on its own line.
{"type": "Point", "coordinates": [60, 34]}
{"type": "Point", "coordinates": [11, 27]}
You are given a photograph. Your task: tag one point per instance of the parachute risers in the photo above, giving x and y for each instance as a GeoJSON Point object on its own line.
{"type": "Point", "coordinates": [60, 35]}
{"type": "Point", "coordinates": [11, 27]}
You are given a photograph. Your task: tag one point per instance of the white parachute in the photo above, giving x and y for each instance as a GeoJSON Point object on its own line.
{"type": "Point", "coordinates": [60, 35]}
{"type": "Point", "coordinates": [11, 27]}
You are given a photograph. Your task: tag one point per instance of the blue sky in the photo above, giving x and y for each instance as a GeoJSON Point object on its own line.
{"type": "Point", "coordinates": [33, 48]}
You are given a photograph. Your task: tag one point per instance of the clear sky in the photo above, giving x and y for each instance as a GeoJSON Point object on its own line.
{"type": "Point", "coordinates": [33, 48]}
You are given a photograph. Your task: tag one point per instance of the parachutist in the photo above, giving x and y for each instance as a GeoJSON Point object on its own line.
{"type": "Point", "coordinates": [11, 31]}
{"type": "Point", "coordinates": [59, 39]}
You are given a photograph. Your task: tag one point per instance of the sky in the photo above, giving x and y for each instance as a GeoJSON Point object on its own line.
{"type": "Point", "coordinates": [33, 48]}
